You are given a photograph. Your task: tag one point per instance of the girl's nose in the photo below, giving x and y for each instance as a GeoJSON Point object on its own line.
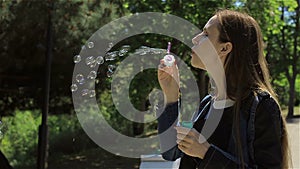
{"type": "Point", "coordinates": [196, 39]}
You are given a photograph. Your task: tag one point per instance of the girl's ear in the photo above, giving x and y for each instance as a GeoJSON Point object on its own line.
{"type": "Point", "coordinates": [225, 49]}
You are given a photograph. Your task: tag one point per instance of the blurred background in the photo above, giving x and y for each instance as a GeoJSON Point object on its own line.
{"type": "Point", "coordinates": [25, 44]}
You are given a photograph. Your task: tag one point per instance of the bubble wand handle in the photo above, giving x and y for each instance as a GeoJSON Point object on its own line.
{"type": "Point", "coordinates": [169, 59]}
{"type": "Point", "coordinates": [169, 48]}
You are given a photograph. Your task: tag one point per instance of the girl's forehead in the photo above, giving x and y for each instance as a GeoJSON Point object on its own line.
{"type": "Point", "coordinates": [211, 23]}
{"type": "Point", "coordinates": [213, 19]}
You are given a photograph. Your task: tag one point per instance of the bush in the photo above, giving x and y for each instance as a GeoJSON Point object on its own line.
{"type": "Point", "coordinates": [66, 135]}
{"type": "Point", "coordinates": [20, 139]}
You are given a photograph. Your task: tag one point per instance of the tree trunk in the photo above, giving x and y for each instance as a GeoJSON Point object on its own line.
{"type": "Point", "coordinates": [138, 128]}
{"type": "Point", "coordinates": [4, 162]}
{"type": "Point", "coordinates": [295, 59]}
{"type": "Point", "coordinates": [291, 98]}
{"type": "Point", "coordinates": [43, 145]}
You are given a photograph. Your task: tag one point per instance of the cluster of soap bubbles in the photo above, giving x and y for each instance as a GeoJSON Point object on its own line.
{"type": "Point", "coordinates": [93, 61]}
{"type": "Point", "coordinates": [143, 50]}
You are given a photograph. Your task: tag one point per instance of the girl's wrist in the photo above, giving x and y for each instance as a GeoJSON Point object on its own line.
{"type": "Point", "coordinates": [206, 146]}
{"type": "Point", "coordinates": [171, 98]}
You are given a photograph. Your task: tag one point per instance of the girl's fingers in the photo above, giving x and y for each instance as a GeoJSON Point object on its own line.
{"type": "Point", "coordinates": [183, 143]}
{"type": "Point", "coordinates": [182, 136]}
{"type": "Point", "coordinates": [189, 135]}
{"type": "Point", "coordinates": [182, 130]}
{"type": "Point", "coordinates": [185, 138]}
{"type": "Point", "coordinates": [182, 148]}
{"type": "Point", "coordinates": [163, 75]}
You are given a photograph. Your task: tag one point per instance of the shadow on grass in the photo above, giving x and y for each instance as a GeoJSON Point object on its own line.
{"type": "Point", "coordinates": [92, 159]}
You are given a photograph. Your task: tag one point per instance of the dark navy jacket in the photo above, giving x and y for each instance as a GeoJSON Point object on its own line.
{"type": "Point", "coordinates": [261, 133]}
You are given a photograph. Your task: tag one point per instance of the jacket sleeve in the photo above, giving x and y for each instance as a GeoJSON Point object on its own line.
{"type": "Point", "coordinates": [267, 142]}
{"type": "Point", "coordinates": [166, 122]}
{"type": "Point", "coordinates": [167, 119]}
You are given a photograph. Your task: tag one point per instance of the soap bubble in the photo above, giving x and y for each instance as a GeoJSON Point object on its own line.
{"type": "Point", "coordinates": [93, 64]}
{"type": "Point", "coordinates": [111, 68]}
{"type": "Point", "coordinates": [157, 51]}
{"type": "Point", "coordinates": [77, 58]}
{"type": "Point", "coordinates": [143, 50]}
{"type": "Point", "coordinates": [92, 93]}
{"type": "Point", "coordinates": [99, 60]}
{"type": "Point", "coordinates": [110, 45]}
{"type": "Point", "coordinates": [144, 47]}
{"type": "Point", "coordinates": [122, 52]}
{"type": "Point", "coordinates": [89, 60]}
{"type": "Point", "coordinates": [92, 75]}
{"type": "Point", "coordinates": [74, 87]}
{"type": "Point", "coordinates": [84, 92]}
{"type": "Point", "coordinates": [109, 73]}
{"type": "Point", "coordinates": [124, 49]}
{"type": "Point", "coordinates": [111, 56]}
{"type": "Point", "coordinates": [80, 78]}
{"type": "Point", "coordinates": [140, 52]}
{"type": "Point", "coordinates": [91, 45]}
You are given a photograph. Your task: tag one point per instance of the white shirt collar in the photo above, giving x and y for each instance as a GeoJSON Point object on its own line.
{"type": "Point", "coordinates": [222, 104]}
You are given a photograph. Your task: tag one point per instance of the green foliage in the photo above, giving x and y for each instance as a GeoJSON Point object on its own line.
{"type": "Point", "coordinates": [112, 116]}
{"type": "Point", "coordinates": [20, 138]}
{"type": "Point", "coordinates": [277, 20]}
{"type": "Point", "coordinates": [65, 129]}
{"type": "Point", "coordinates": [23, 46]}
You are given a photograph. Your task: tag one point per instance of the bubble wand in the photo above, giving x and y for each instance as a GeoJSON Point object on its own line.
{"type": "Point", "coordinates": [169, 48]}
{"type": "Point", "coordinates": [169, 59]}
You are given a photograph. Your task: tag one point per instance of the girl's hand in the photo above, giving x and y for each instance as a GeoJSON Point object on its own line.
{"type": "Point", "coordinates": [191, 142]}
{"type": "Point", "coordinates": [168, 78]}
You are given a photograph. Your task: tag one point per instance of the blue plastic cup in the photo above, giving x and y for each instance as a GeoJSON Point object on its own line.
{"type": "Point", "coordinates": [187, 124]}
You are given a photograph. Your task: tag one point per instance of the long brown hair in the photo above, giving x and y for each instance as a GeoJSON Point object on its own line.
{"type": "Point", "coordinates": [245, 67]}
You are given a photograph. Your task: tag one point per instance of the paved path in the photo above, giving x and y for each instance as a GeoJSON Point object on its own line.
{"type": "Point", "coordinates": [294, 137]}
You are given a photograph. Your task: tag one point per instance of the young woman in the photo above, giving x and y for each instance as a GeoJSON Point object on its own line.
{"type": "Point", "coordinates": [247, 135]}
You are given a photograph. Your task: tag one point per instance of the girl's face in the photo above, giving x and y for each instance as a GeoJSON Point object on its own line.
{"type": "Point", "coordinates": [210, 31]}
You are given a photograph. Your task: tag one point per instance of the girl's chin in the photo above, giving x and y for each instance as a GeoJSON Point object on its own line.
{"type": "Point", "coordinates": [197, 65]}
